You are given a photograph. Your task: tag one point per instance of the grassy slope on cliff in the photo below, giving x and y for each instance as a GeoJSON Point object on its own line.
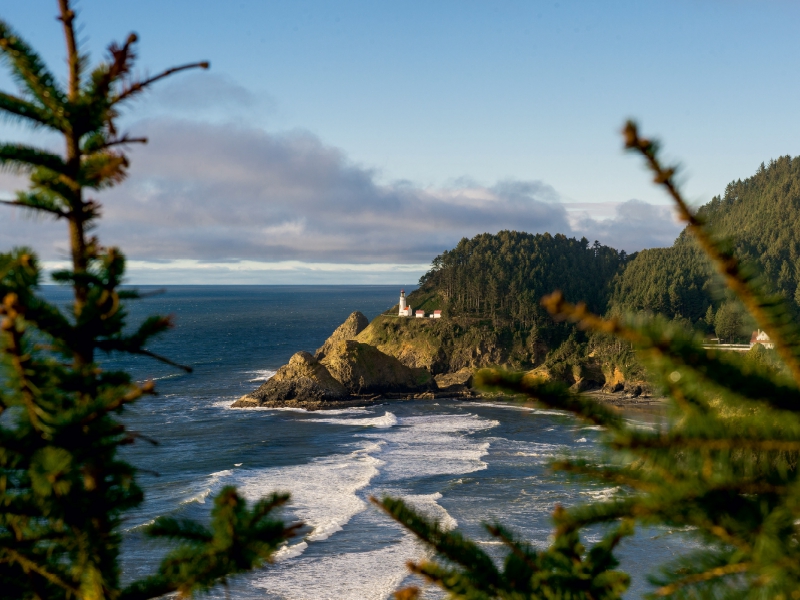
{"type": "Point", "coordinates": [450, 344]}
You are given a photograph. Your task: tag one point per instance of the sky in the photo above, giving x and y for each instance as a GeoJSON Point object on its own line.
{"type": "Point", "coordinates": [352, 142]}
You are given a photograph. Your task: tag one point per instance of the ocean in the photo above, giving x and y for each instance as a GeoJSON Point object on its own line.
{"type": "Point", "coordinates": [461, 462]}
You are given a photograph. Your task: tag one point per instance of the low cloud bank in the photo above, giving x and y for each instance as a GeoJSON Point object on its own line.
{"type": "Point", "coordinates": [209, 193]}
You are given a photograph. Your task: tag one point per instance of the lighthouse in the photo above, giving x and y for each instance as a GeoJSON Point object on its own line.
{"type": "Point", "coordinates": [405, 310]}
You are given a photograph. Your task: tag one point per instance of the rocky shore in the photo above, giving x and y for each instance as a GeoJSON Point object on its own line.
{"type": "Point", "coordinates": [344, 371]}
{"type": "Point", "coordinates": [363, 362]}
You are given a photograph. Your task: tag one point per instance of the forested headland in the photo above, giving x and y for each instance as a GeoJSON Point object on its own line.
{"type": "Point", "coordinates": [498, 280]}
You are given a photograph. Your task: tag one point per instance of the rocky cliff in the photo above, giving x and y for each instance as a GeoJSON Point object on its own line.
{"type": "Point", "coordinates": [352, 326]}
{"type": "Point", "coordinates": [303, 380]}
{"type": "Point", "coordinates": [450, 345]}
{"type": "Point", "coordinates": [343, 369]}
{"type": "Point", "coordinates": [402, 357]}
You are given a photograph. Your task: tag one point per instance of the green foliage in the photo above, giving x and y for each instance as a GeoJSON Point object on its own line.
{"type": "Point", "coordinates": [63, 487]}
{"type": "Point", "coordinates": [723, 466]}
{"type": "Point", "coordinates": [238, 540]}
{"type": "Point", "coordinates": [505, 274]}
{"type": "Point", "coordinates": [759, 214]}
{"type": "Point", "coordinates": [728, 322]}
{"type": "Point", "coordinates": [565, 570]}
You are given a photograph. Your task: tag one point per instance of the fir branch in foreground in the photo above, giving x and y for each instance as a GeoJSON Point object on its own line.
{"type": "Point", "coordinates": [770, 312]}
{"type": "Point", "coordinates": [722, 467]}
{"type": "Point", "coordinates": [63, 486]}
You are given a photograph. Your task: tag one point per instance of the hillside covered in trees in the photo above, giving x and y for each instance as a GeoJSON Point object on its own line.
{"type": "Point", "coordinates": [759, 216]}
{"type": "Point", "coordinates": [503, 276]}
{"type": "Point", "coordinates": [497, 281]}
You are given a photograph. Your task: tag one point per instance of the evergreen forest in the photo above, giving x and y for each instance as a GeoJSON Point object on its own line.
{"type": "Point", "coordinates": [503, 276]}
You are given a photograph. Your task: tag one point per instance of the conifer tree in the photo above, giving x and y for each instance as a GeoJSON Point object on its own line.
{"type": "Point", "coordinates": [63, 487]}
{"type": "Point", "coordinates": [724, 466]}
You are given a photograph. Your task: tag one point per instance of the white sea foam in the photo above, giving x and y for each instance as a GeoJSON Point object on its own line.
{"type": "Point", "coordinates": [532, 409]}
{"type": "Point", "coordinates": [335, 411]}
{"type": "Point", "coordinates": [226, 403]}
{"type": "Point", "coordinates": [260, 374]}
{"type": "Point", "coordinates": [426, 505]}
{"type": "Point", "coordinates": [170, 376]}
{"type": "Point", "coordinates": [209, 485]}
{"type": "Point", "coordinates": [604, 494]}
{"type": "Point", "coordinates": [286, 552]}
{"type": "Point", "coordinates": [370, 575]}
{"type": "Point", "coordinates": [139, 526]}
{"type": "Point", "coordinates": [581, 440]}
{"type": "Point", "coordinates": [323, 491]}
{"type": "Point", "coordinates": [387, 420]}
{"type": "Point", "coordinates": [433, 445]}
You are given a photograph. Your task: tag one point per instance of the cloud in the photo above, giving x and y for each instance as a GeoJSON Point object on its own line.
{"type": "Point", "coordinates": [635, 225]}
{"type": "Point", "coordinates": [213, 193]}
{"type": "Point", "coordinates": [201, 90]}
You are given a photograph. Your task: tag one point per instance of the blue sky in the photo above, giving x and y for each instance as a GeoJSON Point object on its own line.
{"type": "Point", "coordinates": [288, 160]}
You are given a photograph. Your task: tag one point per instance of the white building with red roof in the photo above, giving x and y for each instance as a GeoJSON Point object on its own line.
{"type": "Point", "coordinates": [761, 337]}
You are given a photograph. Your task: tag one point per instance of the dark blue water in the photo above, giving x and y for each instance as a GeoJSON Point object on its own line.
{"type": "Point", "coordinates": [460, 462]}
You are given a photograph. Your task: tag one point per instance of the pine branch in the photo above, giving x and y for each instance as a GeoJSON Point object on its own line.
{"type": "Point", "coordinates": [122, 141]}
{"type": "Point", "coordinates": [30, 565]}
{"type": "Point", "coordinates": [106, 74]}
{"type": "Point", "coordinates": [26, 204]}
{"type": "Point", "coordinates": [452, 545]}
{"type": "Point", "coordinates": [11, 105]}
{"type": "Point", "coordinates": [552, 394]}
{"type": "Point", "coordinates": [29, 69]}
{"type": "Point", "coordinates": [770, 313]}
{"type": "Point", "coordinates": [67, 17]}
{"type": "Point", "coordinates": [139, 86]}
{"type": "Point", "coordinates": [721, 369]}
{"type": "Point", "coordinates": [20, 158]}
{"type": "Point", "coordinates": [715, 573]}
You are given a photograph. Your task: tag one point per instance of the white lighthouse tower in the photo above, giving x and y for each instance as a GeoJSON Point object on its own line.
{"type": "Point", "coordinates": [405, 310]}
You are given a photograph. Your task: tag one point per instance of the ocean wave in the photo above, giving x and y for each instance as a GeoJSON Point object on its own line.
{"type": "Point", "coordinates": [139, 526]}
{"type": "Point", "coordinates": [260, 374]}
{"type": "Point", "coordinates": [426, 505]}
{"type": "Point", "coordinates": [601, 495]}
{"type": "Point", "coordinates": [433, 445]}
{"type": "Point", "coordinates": [226, 404]}
{"type": "Point", "coordinates": [372, 575]}
{"type": "Point", "coordinates": [211, 484]}
{"type": "Point", "coordinates": [387, 420]}
{"type": "Point", "coordinates": [286, 552]}
{"type": "Point", "coordinates": [532, 409]}
{"type": "Point", "coordinates": [170, 376]}
{"type": "Point", "coordinates": [323, 490]}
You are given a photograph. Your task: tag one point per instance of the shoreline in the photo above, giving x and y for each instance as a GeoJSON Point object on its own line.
{"type": "Point", "coordinates": [616, 400]}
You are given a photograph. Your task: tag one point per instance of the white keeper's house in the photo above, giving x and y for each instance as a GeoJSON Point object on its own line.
{"type": "Point", "coordinates": [761, 337]}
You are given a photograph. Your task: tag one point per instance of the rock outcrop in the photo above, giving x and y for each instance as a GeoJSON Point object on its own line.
{"type": "Point", "coordinates": [352, 326]}
{"type": "Point", "coordinates": [364, 370]}
{"type": "Point", "coordinates": [455, 383]}
{"type": "Point", "coordinates": [303, 380]}
{"type": "Point", "coordinates": [345, 370]}
{"type": "Point", "coordinates": [445, 345]}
